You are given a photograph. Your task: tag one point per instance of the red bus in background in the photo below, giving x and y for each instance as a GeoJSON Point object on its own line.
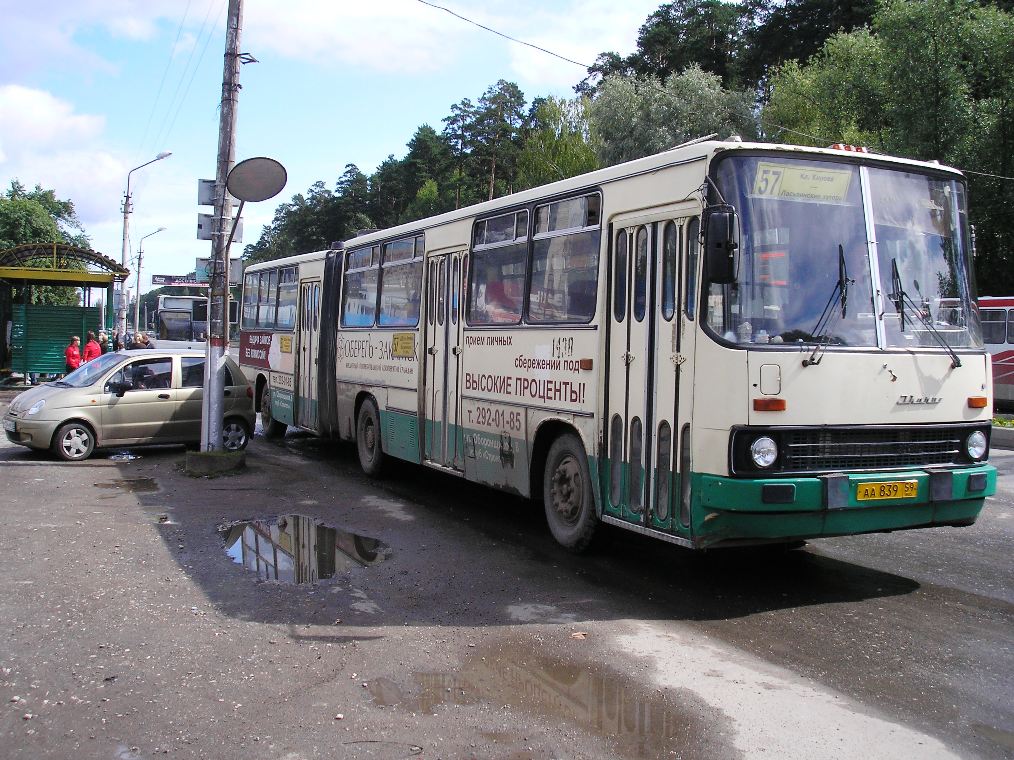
{"type": "Point", "coordinates": [997, 316]}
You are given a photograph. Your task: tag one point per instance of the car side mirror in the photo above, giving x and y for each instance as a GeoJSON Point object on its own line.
{"type": "Point", "coordinates": [721, 244]}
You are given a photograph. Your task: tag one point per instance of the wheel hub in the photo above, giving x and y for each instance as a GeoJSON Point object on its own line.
{"type": "Point", "coordinates": [565, 490]}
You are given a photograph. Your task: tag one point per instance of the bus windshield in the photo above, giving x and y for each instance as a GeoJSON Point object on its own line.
{"type": "Point", "coordinates": [805, 271]}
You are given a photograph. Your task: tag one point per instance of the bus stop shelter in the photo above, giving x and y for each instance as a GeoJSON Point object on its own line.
{"type": "Point", "coordinates": [34, 336]}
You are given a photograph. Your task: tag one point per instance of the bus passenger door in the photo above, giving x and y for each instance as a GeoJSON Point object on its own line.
{"type": "Point", "coordinates": [645, 374]}
{"type": "Point", "coordinates": [443, 441]}
{"type": "Point", "coordinates": [306, 366]}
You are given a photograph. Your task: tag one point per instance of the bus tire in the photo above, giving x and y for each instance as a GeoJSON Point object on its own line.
{"type": "Point", "coordinates": [368, 442]}
{"type": "Point", "coordinates": [567, 494]}
{"type": "Point", "coordinates": [272, 427]}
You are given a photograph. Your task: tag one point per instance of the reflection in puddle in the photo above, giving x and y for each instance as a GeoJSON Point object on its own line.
{"type": "Point", "coordinates": [133, 485]}
{"type": "Point", "coordinates": [597, 700]}
{"type": "Point", "coordinates": [298, 549]}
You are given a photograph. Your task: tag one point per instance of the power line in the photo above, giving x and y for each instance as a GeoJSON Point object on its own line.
{"type": "Point", "coordinates": [165, 72]}
{"type": "Point", "coordinates": [164, 132]}
{"type": "Point", "coordinates": [505, 36]}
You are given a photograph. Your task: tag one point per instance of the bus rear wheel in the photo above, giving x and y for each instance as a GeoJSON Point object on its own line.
{"type": "Point", "coordinates": [272, 427]}
{"type": "Point", "coordinates": [368, 443]}
{"type": "Point", "coordinates": [567, 494]}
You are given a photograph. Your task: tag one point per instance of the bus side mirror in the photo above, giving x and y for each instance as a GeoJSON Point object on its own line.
{"type": "Point", "coordinates": [721, 244]}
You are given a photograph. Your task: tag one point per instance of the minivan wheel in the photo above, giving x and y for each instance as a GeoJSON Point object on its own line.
{"type": "Point", "coordinates": [74, 442]}
{"type": "Point", "coordinates": [235, 435]}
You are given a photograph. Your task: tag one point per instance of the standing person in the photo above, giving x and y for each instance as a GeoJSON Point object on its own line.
{"type": "Point", "coordinates": [72, 354]}
{"type": "Point", "coordinates": [103, 341]}
{"type": "Point", "coordinates": [92, 349]}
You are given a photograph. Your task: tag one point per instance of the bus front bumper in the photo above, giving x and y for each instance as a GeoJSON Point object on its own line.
{"type": "Point", "coordinates": [738, 510]}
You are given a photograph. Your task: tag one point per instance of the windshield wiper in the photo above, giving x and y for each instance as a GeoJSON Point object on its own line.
{"type": "Point", "coordinates": [830, 316]}
{"type": "Point", "coordinates": [901, 300]}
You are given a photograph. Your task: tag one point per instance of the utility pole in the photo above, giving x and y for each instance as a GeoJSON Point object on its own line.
{"type": "Point", "coordinates": [218, 316]}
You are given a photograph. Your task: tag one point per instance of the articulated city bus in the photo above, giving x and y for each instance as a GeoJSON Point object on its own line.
{"type": "Point", "coordinates": [722, 344]}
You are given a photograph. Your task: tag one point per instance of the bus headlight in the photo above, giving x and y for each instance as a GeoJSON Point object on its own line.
{"type": "Point", "coordinates": [975, 444]}
{"type": "Point", "coordinates": [763, 452]}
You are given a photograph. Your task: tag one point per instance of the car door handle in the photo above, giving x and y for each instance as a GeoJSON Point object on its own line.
{"type": "Point", "coordinates": [163, 395]}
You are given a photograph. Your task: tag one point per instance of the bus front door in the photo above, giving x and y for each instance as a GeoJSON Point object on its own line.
{"type": "Point", "coordinates": [645, 374]}
{"type": "Point", "coordinates": [442, 431]}
{"type": "Point", "coordinates": [306, 363]}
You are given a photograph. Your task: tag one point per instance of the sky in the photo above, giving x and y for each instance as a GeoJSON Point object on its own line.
{"type": "Point", "coordinates": [90, 89]}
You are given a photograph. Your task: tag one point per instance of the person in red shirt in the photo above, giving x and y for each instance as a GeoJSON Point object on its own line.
{"type": "Point", "coordinates": [92, 349]}
{"type": "Point", "coordinates": [73, 354]}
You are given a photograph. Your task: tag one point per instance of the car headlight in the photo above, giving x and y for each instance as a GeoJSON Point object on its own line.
{"type": "Point", "coordinates": [763, 452]}
{"type": "Point", "coordinates": [975, 444]}
{"type": "Point", "coordinates": [36, 407]}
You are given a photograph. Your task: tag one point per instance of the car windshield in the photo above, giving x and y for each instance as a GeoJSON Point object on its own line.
{"type": "Point", "coordinates": [87, 374]}
{"type": "Point", "coordinates": [806, 272]}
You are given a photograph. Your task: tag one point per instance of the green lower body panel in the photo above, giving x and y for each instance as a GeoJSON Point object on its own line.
{"type": "Point", "coordinates": [401, 435]}
{"type": "Point", "coordinates": [733, 510]}
{"type": "Point", "coordinates": [281, 406]}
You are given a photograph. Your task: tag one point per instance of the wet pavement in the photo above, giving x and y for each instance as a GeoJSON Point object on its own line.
{"type": "Point", "coordinates": [442, 621]}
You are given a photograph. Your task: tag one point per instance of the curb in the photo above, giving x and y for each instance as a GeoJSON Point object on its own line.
{"type": "Point", "coordinates": [1001, 438]}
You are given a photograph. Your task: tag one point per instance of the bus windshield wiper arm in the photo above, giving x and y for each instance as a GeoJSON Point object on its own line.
{"type": "Point", "coordinates": [902, 299]}
{"type": "Point", "coordinates": [829, 317]}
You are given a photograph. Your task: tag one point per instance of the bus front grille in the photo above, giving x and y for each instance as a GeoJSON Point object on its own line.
{"type": "Point", "coordinates": [837, 449]}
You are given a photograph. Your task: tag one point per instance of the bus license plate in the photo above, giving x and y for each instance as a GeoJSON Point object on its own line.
{"type": "Point", "coordinates": [10, 425]}
{"type": "Point", "coordinates": [895, 489]}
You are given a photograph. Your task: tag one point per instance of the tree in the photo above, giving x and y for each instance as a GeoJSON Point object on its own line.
{"type": "Point", "coordinates": [686, 33]}
{"type": "Point", "coordinates": [836, 97]}
{"type": "Point", "coordinates": [38, 216]}
{"type": "Point", "coordinates": [496, 135]}
{"type": "Point", "coordinates": [558, 143]}
{"type": "Point", "coordinates": [634, 117]}
{"type": "Point", "coordinates": [931, 81]}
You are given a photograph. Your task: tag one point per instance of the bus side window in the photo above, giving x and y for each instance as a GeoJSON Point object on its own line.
{"type": "Point", "coordinates": [693, 252]}
{"type": "Point", "coordinates": [994, 325]}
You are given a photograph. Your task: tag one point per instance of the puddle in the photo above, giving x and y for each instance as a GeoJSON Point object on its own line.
{"type": "Point", "coordinates": [637, 723]}
{"type": "Point", "coordinates": [124, 456]}
{"type": "Point", "coordinates": [299, 549]}
{"type": "Point", "coordinates": [133, 485]}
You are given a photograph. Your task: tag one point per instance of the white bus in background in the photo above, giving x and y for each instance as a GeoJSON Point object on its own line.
{"type": "Point", "coordinates": [725, 343]}
{"type": "Point", "coordinates": [182, 321]}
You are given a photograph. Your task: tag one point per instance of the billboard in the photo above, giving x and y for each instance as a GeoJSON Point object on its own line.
{"type": "Point", "coordinates": [202, 270]}
{"type": "Point", "coordinates": [176, 280]}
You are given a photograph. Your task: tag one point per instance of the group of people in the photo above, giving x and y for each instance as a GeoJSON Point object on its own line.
{"type": "Point", "coordinates": [96, 346]}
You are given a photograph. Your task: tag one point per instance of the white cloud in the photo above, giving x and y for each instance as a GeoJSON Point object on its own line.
{"type": "Point", "coordinates": [32, 120]}
{"type": "Point", "coordinates": [383, 35]}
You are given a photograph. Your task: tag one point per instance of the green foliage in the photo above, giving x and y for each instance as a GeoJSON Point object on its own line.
{"type": "Point", "coordinates": [931, 81]}
{"type": "Point", "coordinates": [38, 216]}
{"type": "Point", "coordinates": [558, 143]}
{"type": "Point", "coordinates": [634, 117]}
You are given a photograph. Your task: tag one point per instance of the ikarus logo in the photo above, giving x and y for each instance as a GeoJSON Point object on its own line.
{"type": "Point", "coordinates": [918, 400]}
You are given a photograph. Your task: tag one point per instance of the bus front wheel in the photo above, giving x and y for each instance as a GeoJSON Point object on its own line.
{"type": "Point", "coordinates": [272, 427]}
{"type": "Point", "coordinates": [567, 494]}
{"type": "Point", "coordinates": [368, 445]}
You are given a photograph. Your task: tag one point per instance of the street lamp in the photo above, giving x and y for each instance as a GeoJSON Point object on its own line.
{"type": "Point", "coordinates": [121, 313]}
{"type": "Point", "coordinates": [140, 254]}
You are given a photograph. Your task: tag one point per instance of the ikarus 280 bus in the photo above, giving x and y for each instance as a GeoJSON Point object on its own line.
{"type": "Point", "coordinates": [725, 343]}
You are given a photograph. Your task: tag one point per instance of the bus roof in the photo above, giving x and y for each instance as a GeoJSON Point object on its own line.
{"type": "Point", "coordinates": [295, 259]}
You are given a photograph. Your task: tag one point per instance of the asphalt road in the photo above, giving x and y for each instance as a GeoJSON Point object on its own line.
{"type": "Point", "coordinates": [128, 632]}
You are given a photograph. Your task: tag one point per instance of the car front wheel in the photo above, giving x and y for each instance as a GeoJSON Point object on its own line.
{"type": "Point", "coordinates": [74, 442]}
{"type": "Point", "coordinates": [235, 435]}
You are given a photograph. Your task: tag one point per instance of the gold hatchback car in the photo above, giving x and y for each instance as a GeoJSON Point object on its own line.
{"type": "Point", "coordinates": [128, 398]}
